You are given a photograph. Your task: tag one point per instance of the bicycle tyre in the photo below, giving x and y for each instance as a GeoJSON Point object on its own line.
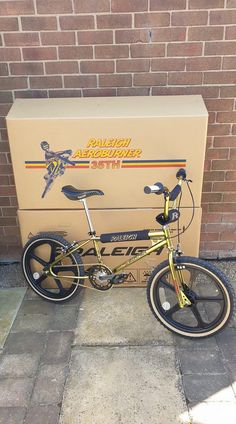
{"type": "Point", "coordinates": [57, 242]}
{"type": "Point", "coordinates": [225, 298]}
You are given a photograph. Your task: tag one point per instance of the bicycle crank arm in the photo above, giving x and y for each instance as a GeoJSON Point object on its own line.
{"type": "Point", "coordinates": [114, 278]}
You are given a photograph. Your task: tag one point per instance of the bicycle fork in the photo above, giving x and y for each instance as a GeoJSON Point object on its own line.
{"type": "Point", "coordinates": [176, 272]}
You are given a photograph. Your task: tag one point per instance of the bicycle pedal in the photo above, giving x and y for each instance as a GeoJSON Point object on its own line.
{"type": "Point", "coordinates": [119, 278]}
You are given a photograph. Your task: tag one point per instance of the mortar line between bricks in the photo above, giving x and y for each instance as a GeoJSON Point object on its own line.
{"type": "Point", "coordinates": [106, 345]}
{"type": "Point", "coordinates": [41, 332]}
{"type": "Point", "coordinates": [7, 377]}
{"type": "Point", "coordinates": [206, 373]}
{"type": "Point", "coordinates": [212, 402]}
{"type": "Point", "coordinates": [197, 349]}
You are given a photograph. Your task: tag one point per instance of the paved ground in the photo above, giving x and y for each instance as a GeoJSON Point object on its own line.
{"type": "Point", "coordinates": [103, 358]}
{"type": "Point", "coordinates": [10, 301]}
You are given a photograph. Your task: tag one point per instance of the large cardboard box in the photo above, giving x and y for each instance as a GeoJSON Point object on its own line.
{"type": "Point", "coordinates": [72, 225]}
{"type": "Point", "coordinates": [118, 145]}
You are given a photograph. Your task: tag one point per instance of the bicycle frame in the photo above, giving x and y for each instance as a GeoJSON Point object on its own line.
{"type": "Point", "coordinates": [53, 167]}
{"type": "Point", "coordinates": [159, 239]}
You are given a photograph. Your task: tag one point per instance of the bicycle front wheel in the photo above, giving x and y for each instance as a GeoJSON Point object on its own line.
{"type": "Point", "coordinates": [212, 298]}
{"type": "Point", "coordinates": [38, 254]}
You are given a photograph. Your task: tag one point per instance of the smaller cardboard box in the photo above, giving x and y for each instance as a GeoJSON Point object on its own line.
{"type": "Point", "coordinates": [72, 225]}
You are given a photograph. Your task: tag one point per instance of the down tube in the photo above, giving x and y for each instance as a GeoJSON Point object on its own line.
{"type": "Point", "coordinates": [138, 257]}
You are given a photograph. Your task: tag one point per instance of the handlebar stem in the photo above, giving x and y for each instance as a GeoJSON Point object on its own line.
{"type": "Point", "coordinates": [166, 205]}
{"type": "Point", "coordinates": [167, 199]}
{"type": "Point", "coordinates": [180, 181]}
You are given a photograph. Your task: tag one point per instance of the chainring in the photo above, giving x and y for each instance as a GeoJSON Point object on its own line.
{"type": "Point", "coordinates": [94, 274]}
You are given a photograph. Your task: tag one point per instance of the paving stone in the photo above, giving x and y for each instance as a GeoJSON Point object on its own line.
{"type": "Point", "coordinates": [231, 368]}
{"type": "Point", "coordinates": [201, 362]}
{"type": "Point", "coordinates": [21, 365]}
{"type": "Point", "coordinates": [212, 412]}
{"type": "Point", "coordinates": [25, 342]}
{"type": "Point", "coordinates": [12, 415]}
{"type": "Point", "coordinates": [208, 388]}
{"type": "Point", "coordinates": [64, 318]}
{"type": "Point", "coordinates": [227, 343]}
{"type": "Point", "coordinates": [229, 268]}
{"type": "Point", "coordinates": [31, 295]}
{"type": "Point", "coordinates": [58, 347]}
{"type": "Point", "coordinates": [123, 385]}
{"type": "Point", "coordinates": [201, 344]}
{"type": "Point", "coordinates": [43, 414]}
{"type": "Point", "coordinates": [10, 301]}
{"type": "Point", "coordinates": [15, 392]}
{"type": "Point", "coordinates": [119, 316]}
{"type": "Point", "coordinates": [232, 323]}
{"type": "Point", "coordinates": [50, 384]}
{"type": "Point", "coordinates": [31, 322]}
{"type": "Point", "coordinates": [40, 306]}
{"type": "Point", "coordinates": [11, 273]}
{"type": "Point", "coordinates": [74, 301]}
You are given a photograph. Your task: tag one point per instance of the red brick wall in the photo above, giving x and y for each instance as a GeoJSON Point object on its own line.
{"type": "Point", "coordinates": [56, 48]}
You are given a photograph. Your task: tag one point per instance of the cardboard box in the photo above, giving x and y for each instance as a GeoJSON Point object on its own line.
{"type": "Point", "coordinates": [117, 145]}
{"type": "Point", "coordinates": [72, 225]}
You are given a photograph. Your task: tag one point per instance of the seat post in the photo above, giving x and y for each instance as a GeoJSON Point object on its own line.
{"type": "Point", "coordinates": [92, 231]}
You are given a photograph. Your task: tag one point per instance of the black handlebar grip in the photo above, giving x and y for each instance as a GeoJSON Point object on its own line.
{"type": "Point", "coordinates": [181, 173]}
{"type": "Point", "coordinates": [175, 192]}
{"type": "Point", "coordinates": [147, 190]}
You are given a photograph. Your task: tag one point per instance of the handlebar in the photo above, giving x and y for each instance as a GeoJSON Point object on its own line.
{"type": "Point", "coordinates": [175, 192]}
{"type": "Point", "coordinates": [158, 188]}
{"type": "Point", "coordinates": [172, 195]}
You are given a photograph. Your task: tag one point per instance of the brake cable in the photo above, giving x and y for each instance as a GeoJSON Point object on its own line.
{"type": "Point", "coordinates": [193, 213]}
{"type": "Point", "coordinates": [178, 208]}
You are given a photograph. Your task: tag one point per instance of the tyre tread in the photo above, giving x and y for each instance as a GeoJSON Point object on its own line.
{"type": "Point", "coordinates": [210, 267]}
{"type": "Point", "coordinates": [64, 242]}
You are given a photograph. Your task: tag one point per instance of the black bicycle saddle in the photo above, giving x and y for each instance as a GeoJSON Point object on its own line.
{"type": "Point", "coordinates": [73, 193]}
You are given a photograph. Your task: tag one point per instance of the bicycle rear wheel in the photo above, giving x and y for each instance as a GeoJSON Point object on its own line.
{"type": "Point", "coordinates": [38, 253]}
{"type": "Point", "coordinates": [211, 294]}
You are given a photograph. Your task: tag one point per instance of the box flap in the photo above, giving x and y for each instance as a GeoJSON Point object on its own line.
{"type": "Point", "coordinates": [108, 107]}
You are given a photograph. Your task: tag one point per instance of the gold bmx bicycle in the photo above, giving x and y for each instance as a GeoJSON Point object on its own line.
{"type": "Point", "coordinates": [189, 296]}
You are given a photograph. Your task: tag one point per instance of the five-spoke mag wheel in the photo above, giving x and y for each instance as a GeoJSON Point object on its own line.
{"type": "Point", "coordinates": [38, 254]}
{"type": "Point", "coordinates": [210, 293]}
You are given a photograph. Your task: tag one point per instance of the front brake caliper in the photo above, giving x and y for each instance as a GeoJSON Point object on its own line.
{"type": "Point", "coordinates": [182, 298]}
